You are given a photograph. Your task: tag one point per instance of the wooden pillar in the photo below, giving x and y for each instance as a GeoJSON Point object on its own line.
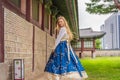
{"type": "Point", "coordinates": [23, 6]}
{"type": "Point", "coordinates": [93, 44]}
{"type": "Point", "coordinates": [40, 14]}
{"type": "Point", "coordinates": [92, 54]}
{"type": "Point", "coordinates": [1, 32]}
{"type": "Point", "coordinates": [51, 29]}
{"type": "Point", "coordinates": [28, 10]}
{"type": "Point", "coordinates": [33, 48]}
{"type": "Point", "coordinates": [93, 50]}
{"type": "Point", "coordinates": [82, 48]}
{"type": "Point", "coordinates": [43, 8]}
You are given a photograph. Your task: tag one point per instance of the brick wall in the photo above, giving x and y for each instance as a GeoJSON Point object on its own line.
{"type": "Point", "coordinates": [19, 42]}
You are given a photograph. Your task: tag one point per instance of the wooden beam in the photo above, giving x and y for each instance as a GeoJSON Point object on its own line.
{"type": "Point", "coordinates": [1, 32]}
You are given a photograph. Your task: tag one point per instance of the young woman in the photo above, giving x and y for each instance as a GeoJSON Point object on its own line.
{"type": "Point", "coordinates": [64, 63]}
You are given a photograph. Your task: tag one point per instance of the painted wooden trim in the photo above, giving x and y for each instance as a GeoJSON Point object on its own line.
{"type": "Point", "coordinates": [1, 32]}
{"type": "Point", "coordinates": [33, 48]}
{"type": "Point", "coordinates": [13, 8]}
{"type": "Point", "coordinates": [51, 29]}
{"type": "Point", "coordinates": [43, 8]}
{"type": "Point", "coordinates": [93, 45]}
{"type": "Point", "coordinates": [28, 10]}
{"type": "Point", "coordinates": [23, 6]}
{"type": "Point", "coordinates": [82, 45]}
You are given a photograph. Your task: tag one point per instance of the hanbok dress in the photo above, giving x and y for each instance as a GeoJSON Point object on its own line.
{"type": "Point", "coordinates": [64, 64]}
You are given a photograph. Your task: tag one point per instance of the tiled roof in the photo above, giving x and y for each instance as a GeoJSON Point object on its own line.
{"type": "Point", "coordinates": [89, 33]}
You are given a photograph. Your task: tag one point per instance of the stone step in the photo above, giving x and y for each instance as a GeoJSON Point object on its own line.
{"type": "Point", "coordinates": [45, 77]}
{"type": "Point", "coordinates": [42, 77]}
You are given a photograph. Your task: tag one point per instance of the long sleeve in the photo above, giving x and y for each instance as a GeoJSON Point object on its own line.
{"type": "Point", "coordinates": [60, 35]}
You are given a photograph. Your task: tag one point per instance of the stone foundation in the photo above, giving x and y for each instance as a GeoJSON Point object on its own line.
{"type": "Point", "coordinates": [100, 53]}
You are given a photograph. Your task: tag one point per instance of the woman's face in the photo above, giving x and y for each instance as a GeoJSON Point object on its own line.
{"type": "Point", "coordinates": [61, 23]}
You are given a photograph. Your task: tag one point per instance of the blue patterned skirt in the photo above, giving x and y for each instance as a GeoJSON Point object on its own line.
{"type": "Point", "coordinates": [59, 63]}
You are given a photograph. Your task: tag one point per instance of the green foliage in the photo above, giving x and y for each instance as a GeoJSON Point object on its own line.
{"type": "Point", "coordinates": [41, 1]}
{"type": "Point", "coordinates": [48, 3]}
{"type": "Point", "coordinates": [101, 7]}
{"type": "Point", "coordinates": [54, 10]}
{"type": "Point", "coordinates": [76, 37]}
{"type": "Point", "coordinates": [97, 44]}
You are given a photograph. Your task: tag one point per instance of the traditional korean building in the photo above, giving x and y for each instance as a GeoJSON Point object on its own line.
{"type": "Point", "coordinates": [87, 41]}
{"type": "Point", "coordinates": [27, 32]}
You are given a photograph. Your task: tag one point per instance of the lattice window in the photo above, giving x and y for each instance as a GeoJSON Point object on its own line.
{"type": "Point", "coordinates": [16, 3]}
{"type": "Point", "coordinates": [35, 10]}
{"type": "Point", "coordinates": [88, 44]}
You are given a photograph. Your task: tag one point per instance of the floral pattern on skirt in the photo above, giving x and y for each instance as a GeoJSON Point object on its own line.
{"type": "Point", "coordinates": [59, 63]}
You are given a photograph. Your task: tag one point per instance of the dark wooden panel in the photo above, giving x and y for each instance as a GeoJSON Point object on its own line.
{"type": "Point", "coordinates": [1, 32]}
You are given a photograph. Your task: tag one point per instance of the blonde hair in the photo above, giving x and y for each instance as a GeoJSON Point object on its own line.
{"type": "Point", "coordinates": [66, 25]}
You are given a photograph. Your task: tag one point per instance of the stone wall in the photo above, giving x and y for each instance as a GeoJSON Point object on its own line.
{"type": "Point", "coordinates": [107, 52]}
{"type": "Point", "coordinates": [100, 53]}
{"type": "Point", "coordinates": [19, 45]}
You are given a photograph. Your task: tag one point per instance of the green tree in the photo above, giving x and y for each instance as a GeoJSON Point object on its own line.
{"type": "Point", "coordinates": [97, 44]}
{"type": "Point", "coordinates": [101, 6]}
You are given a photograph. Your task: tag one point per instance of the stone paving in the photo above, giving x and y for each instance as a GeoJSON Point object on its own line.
{"type": "Point", "coordinates": [50, 77]}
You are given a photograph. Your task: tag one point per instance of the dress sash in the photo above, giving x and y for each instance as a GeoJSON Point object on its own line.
{"type": "Point", "coordinates": [70, 49]}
